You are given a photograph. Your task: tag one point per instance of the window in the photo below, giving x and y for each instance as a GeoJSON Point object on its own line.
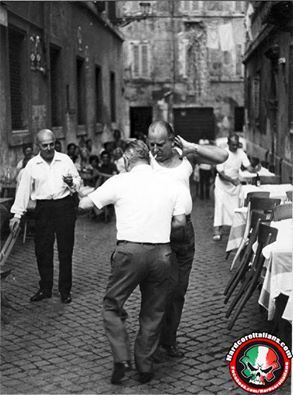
{"type": "Point", "coordinates": [113, 97]}
{"type": "Point", "coordinates": [111, 5]}
{"type": "Point", "coordinates": [214, 5]}
{"type": "Point", "coordinates": [239, 67]}
{"type": "Point", "coordinates": [99, 96]}
{"type": "Point", "coordinates": [190, 6]}
{"type": "Point", "coordinates": [17, 78]}
{"type": "Point", "coordinates": [56, 86]}
{"type": "Point", "coordinates": [256, 98]}
{"type": "Point", "coordinates": [215, 61]}
{"type": "Point", "coordinates": [80, 81]}
{"type": "Point", "coordinates": [140, 60]}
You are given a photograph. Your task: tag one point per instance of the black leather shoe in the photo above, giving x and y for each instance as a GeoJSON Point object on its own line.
{"type": "Point", "coordinates": [145, 377]}
{"type": "Point", "coordinates": [40, 295]}
{"type": "Point", "coordinates": [66, 298]}
{"type": "Point", "coordinates": [173, 351]}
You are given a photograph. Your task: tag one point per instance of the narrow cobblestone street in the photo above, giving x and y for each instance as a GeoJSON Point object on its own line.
{"type": "Point", "coordinates": [51, 348]}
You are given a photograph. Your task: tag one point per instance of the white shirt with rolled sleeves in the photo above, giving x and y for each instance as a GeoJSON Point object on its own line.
{"type": "Point", "coordinates": [44, 181]}
{"type": "Point", "coordinates": [144, 204]}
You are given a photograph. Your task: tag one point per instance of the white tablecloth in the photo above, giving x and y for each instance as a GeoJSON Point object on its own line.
{"type": "Point", "coordinates": [237, 228]}
{"type": "Point", "coordinates": [279, 275]}
{"type": "Point", "coordinates": [277, 191]}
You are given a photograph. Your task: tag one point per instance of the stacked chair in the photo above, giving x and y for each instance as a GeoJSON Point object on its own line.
{"type": "Point", "coordinates": [247, 276]}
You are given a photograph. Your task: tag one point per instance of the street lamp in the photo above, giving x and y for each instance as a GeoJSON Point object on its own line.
{"type": "Point", "coordinates": [145, 11]}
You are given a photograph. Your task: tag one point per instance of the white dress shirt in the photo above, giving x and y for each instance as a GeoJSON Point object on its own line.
{"type": "Point", "coordinates": [144, 204]}
{"type": "Point", "coordinates": [41, 180]}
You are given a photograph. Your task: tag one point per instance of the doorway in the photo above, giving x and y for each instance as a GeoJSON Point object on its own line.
{"type": "Point", "coordinates": [140, 120]}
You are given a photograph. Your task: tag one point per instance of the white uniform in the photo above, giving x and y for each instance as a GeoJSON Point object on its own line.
{"type": "Point", "coordinates": [227, 194]}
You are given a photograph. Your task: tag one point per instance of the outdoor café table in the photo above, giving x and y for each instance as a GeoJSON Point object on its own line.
{"type": "Point", "coordinates": [277, 191]}
{"type": "Point", "coordinates": [240, 214]}
{"type": "Point", "coordinates": [278, 276]}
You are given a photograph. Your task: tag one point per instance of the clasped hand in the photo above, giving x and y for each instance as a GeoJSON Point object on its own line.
{"type": "Point", "coordinates": [68, 180]}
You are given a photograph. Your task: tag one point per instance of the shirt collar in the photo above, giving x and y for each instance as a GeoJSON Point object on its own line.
{"type": "Point", "coordinates": [57, 157]}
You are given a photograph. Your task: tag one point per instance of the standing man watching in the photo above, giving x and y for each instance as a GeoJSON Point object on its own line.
{"type": "Point", "coordinates": [167, 160]}
{"type": "Point", "coordinates": [144, 204]}
{"type": "Point", "coordinates": [50, 178]}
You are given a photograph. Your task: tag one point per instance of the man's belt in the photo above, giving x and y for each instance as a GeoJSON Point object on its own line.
{"type": "Point", "coordinates": [140, 243]}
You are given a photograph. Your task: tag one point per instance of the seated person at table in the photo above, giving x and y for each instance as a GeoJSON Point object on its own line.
{"type": "Point", "coordinates": [71, 152]}
{"type": "Point", "coordinates": [258, 168]}
{"type": "Point", "coordinates": [227, 185]}
{"type": "Point", "coordinates": [106, 167]}
{"type": "Point", "coordinates": [119, 160]}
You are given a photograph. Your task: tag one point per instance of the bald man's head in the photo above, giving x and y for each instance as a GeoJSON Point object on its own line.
{"type": "Point", "coordinates": [160, 139]}
{"type": "Point", "coordinates": [46, 142]}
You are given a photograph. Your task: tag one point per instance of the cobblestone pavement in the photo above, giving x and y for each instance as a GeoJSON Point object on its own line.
{"type": "Point", "coordinates": [51, 348]}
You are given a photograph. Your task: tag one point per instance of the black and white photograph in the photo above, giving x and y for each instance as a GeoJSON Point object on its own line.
{"type": "Point", "coordinates": [146, 180]}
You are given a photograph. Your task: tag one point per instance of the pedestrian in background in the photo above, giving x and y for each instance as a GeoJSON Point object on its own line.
{"type": "Point", "coordinates": [50, 178]}
{"type": "Point", "coordinates": [167, 160]}
{"type": "Point", "coordinates": [144, 203]}
{"type": "Point", "coordinates": [227, 185]}
{"type": "Point", "coordinates": [205, 175]}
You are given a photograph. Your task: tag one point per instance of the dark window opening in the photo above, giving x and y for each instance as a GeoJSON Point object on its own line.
{"type": "Point", "coordinates": [111, 10]}
{"type": "Point", "coordinates": [238, 119]}
{"type": "Point", "coordinates": [81, 105]}
{"type": "Point", "coordinates": [99, 96]}
{"type": "Point", "coordinates": [113, 97]}
{"type": "Point", "coordinates": [16, 69]}
{"type": "Point", "coordinates": [56, 86]}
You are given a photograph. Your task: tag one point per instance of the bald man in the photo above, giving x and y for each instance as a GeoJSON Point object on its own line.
{"type": "Point", "coordinates": [167, 160]}
{"type": "Point", "coordinates": [50, 178]}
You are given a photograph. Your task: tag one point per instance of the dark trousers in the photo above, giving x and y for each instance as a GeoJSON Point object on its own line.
{"type": "Point", "coordinates": [55, 218]}
{"type": "Point", "coordinates": [182, 244]}
{"type": "Point", "coordinates": [148, 266]}
{"type": "Point", "coordinates": [204, 183]}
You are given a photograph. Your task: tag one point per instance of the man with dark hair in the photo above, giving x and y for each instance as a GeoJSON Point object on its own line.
{"type": "Point", "coordinates": [50, 178]}
{"type": "Point", "coordinates": [145, 204]}
{"type": "Point", "coordinates": [167, 160]}
{"type": "Point", "coordinates": [227, 185]}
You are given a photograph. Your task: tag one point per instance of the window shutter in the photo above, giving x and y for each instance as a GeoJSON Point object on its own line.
{"type": "Point", "coordinates": [144, 60]}
{"type": "Point", "coordinates": [135, 51]}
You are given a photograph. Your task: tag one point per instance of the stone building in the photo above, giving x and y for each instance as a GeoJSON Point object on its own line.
{"type": "Point", "coordinates": [183, 63]}
{"type": "Point", "coordinates": [269, 84]}
{"type": "Point", "coordinates": [60, 68]}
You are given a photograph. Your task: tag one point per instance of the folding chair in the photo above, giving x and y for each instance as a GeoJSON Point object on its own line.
{"type": "Point", "coordinates": [266, 235]}
{"type": "Point", "coordinates": [289, 195]}
{"type": "Point", "coordinates": [283, 211]}
{"type": "Point", "coordinates": [264, 205]}
{"type": "Point", "coordinates": [246, 259]}
{"type": "Point", "coordinates": [259, 194]}
{"type": "Point", "coordinates": [258, 203]}
{"type": "Point", "coordinates": [270, 180]}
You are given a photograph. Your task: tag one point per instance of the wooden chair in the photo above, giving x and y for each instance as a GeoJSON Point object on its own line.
{"type": "Point", "coordinates": [240, 272]}
{"type": "Point", "coordinates": [259, 194]}
{"type": "Point", "coordinates": [270, 179]}
{"type": "Point", "coordinates": [289, 195]}
{"type": "Point", "coordinates": [264, 205]}
{"type": "Point", "coordinates": [266, 235]}
{"type": "Point", "coordinates": [283, 211]}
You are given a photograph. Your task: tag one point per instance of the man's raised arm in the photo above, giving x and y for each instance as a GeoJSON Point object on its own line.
{"type": "Point", "coordinates": [201, 153]}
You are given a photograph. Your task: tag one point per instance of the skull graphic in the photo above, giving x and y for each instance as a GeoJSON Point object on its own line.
{"type": "Point", "coordinates": [260, 363]}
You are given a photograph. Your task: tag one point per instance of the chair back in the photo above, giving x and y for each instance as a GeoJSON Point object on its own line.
{"type": "Point", "coordinates": [270, 179]}
{"type": "Point", "coordinates": [289, 195]}
{"type": "Point", "coordinates": [255, 216]}
{"type": "Point", "coordinates": [283, 211]}
{"type": "Point", "coordinates": [259, 194]}
{"type": "Point", "coordinates": [265, 205]}
{"type": "Point", "coordinates": [266, 235]}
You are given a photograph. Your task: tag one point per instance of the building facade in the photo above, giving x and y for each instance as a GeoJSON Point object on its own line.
{"type": "Point", "coordinates": [269, 84]}
{"type": "Point", "coordinates": [183, 63]}
{"type": "Point", "coordinates": [60, 68]}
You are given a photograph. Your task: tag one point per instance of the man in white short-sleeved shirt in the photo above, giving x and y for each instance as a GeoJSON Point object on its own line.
{"type": "Point", "coordinates": [146, 204]}
{"type": "Point", "coordinates": [227, 185]}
